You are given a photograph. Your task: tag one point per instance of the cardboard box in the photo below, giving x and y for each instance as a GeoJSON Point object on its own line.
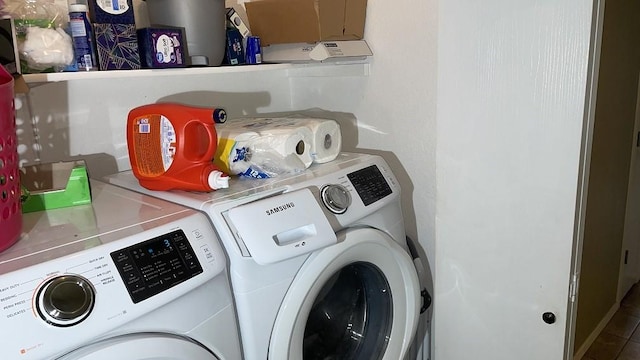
{"type": "Point", "coordinates": [117, 46]}
{"type": "Point", "coordinates": [325, 51]}
{"type": "Point", "coordinates": [162, 47]}
{"type": "Point", "coordinates": [55, 185]}
{"type": "Point", "coordinates": [310, 21]}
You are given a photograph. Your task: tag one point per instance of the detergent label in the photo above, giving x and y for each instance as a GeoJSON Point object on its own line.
{"type": "Point", "coordinates": [154, 144]}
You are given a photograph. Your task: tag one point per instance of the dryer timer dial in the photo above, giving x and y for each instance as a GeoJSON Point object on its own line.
{"type": "Point", "coordinates": [65, 300]}
{"type": "Point", "coordinates": [336, 198]}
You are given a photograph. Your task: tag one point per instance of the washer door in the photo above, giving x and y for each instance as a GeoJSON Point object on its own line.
{"type": "Point", "coordinates": [150, 346]}
{"type": "Point", "coordinates": [356, 300]}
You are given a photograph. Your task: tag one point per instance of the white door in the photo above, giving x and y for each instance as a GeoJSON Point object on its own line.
{"type": "Point", "coordinates": [630, 261]}
{"type": "Point", "coordinates": [358, 299]}
{"type": "Point", "coordinates": [151, 346]}
{"type": "Point", "coordinates": [513, 141]}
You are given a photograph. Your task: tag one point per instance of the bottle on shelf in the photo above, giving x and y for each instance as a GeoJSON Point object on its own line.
{"type": "Point", "coordinates": [82, 34]}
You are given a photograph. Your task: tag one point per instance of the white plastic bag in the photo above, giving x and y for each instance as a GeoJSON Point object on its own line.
{"type": "Point", "coordinates": [43, 48]}
{"type": "Point", "coordinates": [43, 45]}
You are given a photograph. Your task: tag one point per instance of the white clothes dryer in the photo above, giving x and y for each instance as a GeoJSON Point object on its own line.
{"type": "Point", "coordinates": [126, 277]}
{"type": "Point", "coordinates": [319, 263]}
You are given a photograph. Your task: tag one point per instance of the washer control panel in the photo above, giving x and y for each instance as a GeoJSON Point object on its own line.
{"type": "Point", "coordinates": [156, 265]}
{"type": "Point", "coordinates": [370, 184]}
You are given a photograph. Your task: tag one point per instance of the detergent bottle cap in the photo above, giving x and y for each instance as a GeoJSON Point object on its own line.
{"type": "Point", "coordinates": [218, 180]}
{"type": "Point", "coordinates": [219, 116]}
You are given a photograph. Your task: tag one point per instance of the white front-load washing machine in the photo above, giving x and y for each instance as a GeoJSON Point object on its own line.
{"type": "Point", "coordinates": [319, 263]}
{"type": "Point", "coordinates": [127, 277]}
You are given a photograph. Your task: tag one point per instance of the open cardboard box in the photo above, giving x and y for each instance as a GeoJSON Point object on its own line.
{"type": "Point", "coordinates": [306, 21]}
{"type": "Point", "coordinates": [55, 185]}
{"type": "Point", "coordinates": [324, 51]}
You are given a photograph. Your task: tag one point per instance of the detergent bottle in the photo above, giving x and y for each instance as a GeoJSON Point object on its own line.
{"type": "Point", "coordinates": [171, 146]}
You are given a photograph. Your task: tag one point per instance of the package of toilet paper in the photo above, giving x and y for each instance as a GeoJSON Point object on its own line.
{"type": "Point", "coordinates": [263, 147]}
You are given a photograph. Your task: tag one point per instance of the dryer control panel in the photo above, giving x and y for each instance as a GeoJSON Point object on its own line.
{"type": "Point", "coordinates": [155, 265]}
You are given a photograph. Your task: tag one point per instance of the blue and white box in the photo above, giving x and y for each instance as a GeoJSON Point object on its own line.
{"type": "Point", "coordinates": [111, 11]}
{"type": "Point", "coordinates": [162, 47]}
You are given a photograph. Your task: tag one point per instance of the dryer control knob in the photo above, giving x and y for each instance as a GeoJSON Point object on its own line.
{"type": "Point", "coordinates": [65, 300]}
{"type": "Point", "coordinates": [336, 198]}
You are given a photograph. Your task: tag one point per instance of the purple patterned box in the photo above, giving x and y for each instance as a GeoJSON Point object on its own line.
{"type": "Point", "coordinates": [117, 46]}
{"type": "Point", "coordinates": [162, 47]}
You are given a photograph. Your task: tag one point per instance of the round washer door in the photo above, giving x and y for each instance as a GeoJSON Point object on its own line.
{"type": "Point", "coordinates": [356, 300]}
{"type": "Point", "coordinates": [151, 346]}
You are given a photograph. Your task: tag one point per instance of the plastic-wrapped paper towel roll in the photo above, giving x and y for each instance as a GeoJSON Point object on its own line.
{"type": "Point", "coordinates": [286, 141]}
{"type": "Point", "coordinates": [263, 148]}
{"type": "Point", "coordinates": [326, 139]}
{"type": "Point", "coordinates": [233, 154]}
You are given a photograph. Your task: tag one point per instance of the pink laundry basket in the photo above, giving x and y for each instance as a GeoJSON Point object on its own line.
{"type": "Point", "coordinates": [10, 209]}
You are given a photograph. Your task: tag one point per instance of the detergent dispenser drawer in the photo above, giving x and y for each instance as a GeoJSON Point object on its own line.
{"type": "Point", "coordinates": [283, 226]}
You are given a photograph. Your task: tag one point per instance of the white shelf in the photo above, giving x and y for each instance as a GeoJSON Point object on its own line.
{"type": "Point", "coordinates": [356, 68]}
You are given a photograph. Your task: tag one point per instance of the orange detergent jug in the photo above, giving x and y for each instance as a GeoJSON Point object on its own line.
{"type": "Point", "coordinates": [171, 146]}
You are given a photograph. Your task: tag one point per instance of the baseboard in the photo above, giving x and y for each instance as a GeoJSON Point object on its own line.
{"type": "Point", "coordinates": [594, 334]}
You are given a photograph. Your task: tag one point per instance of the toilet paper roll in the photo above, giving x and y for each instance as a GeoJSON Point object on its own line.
{"type": "Point", "coordinates": [326, 139]}
{"type": "Point", "coordinates": [287, 141]}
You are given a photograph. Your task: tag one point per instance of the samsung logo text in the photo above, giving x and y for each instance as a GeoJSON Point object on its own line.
{"type": "Point", "coordinates": [280, 208]}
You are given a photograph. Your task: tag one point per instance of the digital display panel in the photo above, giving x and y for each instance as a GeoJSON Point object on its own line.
{"type": "Point", "coordinates": [155, 265]}
{"type": "Point", "coordinates": [370, 184]}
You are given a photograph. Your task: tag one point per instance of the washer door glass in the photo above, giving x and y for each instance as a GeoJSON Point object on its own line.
{"type": "Point", "coordinates": [356, 300]}
{"type": "Point", "coordinates": [142, 346]}
{"type": "Point", "coordinates": [351, 317]}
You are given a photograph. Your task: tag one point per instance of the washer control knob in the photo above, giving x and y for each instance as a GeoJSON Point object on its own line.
{"type": "Point", "coordinates": [65, 300]}
{"type": "Point", "coordinates": [336, 198]}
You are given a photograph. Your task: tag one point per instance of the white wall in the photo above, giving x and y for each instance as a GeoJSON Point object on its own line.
{"type": "Point", "coordinates": [87, 117]}
{"type": "Point", "coordinates": [395, 105]}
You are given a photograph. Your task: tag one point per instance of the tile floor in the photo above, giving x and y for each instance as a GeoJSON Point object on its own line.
{"type": "Point", "coordinates": [620, 339]}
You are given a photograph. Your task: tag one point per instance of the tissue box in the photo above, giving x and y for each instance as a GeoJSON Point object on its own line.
{"type": "Point", "coordinates": [310, 21]}
{"type": "Point", "coordinates": [55, 185]}
{"type": "Point", "coordinates": [111, 11]}
{"type": "Point", "coordinates": [117, 46]}
{"type": "Point", "coordinates": [162, 47]}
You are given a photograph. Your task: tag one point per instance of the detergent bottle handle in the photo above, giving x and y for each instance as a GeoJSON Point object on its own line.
{"type": "Point", "coordinates": [212, 136]}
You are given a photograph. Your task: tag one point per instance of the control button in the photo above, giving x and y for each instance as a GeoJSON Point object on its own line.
{"type": "Point", "coordinates": [208, 254]}
{"type": "Point", "coordinates": [66, 300]}
{"type": "Point", "coordinates": [336, 198]}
